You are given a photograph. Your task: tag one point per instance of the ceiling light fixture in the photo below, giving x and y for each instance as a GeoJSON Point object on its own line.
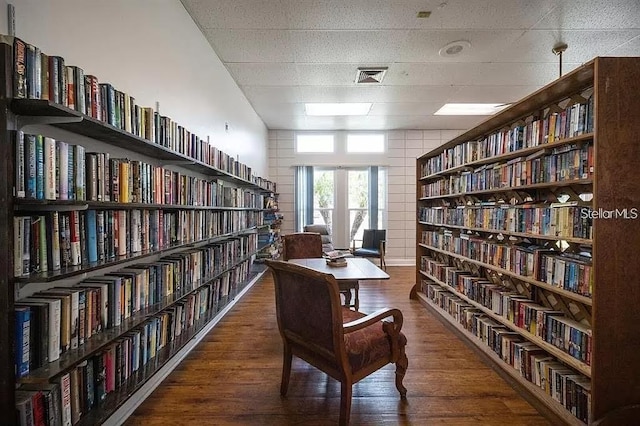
{"type": "Point", "coordinates": [470, 109]}
{"type": "Point", "coordinates": [424, 14]}
{"type": "Point", "coordinates": [455, 48]}
{"type": "Point", "coordinates": [328, 109]}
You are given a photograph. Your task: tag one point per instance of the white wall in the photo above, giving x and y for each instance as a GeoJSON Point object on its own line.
{"type": "Point", "coordinates": [404, 146]}
{"type": "Point", "coordinates": [152, 50]}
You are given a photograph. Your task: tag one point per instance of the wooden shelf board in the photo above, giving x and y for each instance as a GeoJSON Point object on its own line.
{"type": "Point", "coordinates": [501, 366]}
{"type": "Point", "coordinates": [24, 204]}
{"type": "Point", "coordinates": [101, 340]}
{"type": "Point", "coordinates": [510, 155]}
{"type": "Point", "coordinates": [73, 271]}
{"type": "Point", "coordinates": [100, 413]}
{"type": "Point", "coordinates": [583, 241]}
{"type": "Point", "coordinates": [557, 352]}
{"type": "Point", "coordinates": [558, 184]}
{"type": "Point", "coordinates": [566, 293]}
{"type": "Point", "coordinates": [105, 132]}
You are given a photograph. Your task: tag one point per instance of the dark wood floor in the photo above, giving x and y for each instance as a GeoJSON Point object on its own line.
{"type": "Point", "coordinates": [233, 375]}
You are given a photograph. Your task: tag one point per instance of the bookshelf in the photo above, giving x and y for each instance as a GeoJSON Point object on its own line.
{"type": "Point", "coordinates": [526, 242]}
{"type": "Point", "coordinates": [269, 237]}
{"type": "Point", "coordinates": [157, 241]}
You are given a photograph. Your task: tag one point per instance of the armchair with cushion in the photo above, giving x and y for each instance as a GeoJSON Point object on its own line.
{"type": "Point", "coordinates": [373, 245]}
{"type": "Point", "coordinates": [323, 230]}
{"type": "Point", "coordinates": [347, 345]}
{"type": "Point", "coordinates": [308, 245]}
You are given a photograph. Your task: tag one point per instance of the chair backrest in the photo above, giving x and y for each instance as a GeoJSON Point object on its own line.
{"type": "Point", "coordinates": [323, 230]}
{"type": "Point", "coordinates": [309, 311]}
{"type": "Point", "coordinates": [301, 245]}
{"type": "Point", "coordinates": [371, 238]}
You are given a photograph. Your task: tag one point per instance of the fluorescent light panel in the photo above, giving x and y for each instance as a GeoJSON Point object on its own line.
{"type": "Point", "coordinates": [337, 108]}
{"type": "Point", "coordinates": [470, 109]}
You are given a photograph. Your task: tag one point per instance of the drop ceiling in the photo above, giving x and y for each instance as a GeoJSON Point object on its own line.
{"type": "Point", "coordinates": [284, 53]}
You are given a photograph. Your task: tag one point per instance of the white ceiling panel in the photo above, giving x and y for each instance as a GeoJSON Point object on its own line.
{"type": "Point", "coordinates": [272, 94]}
{"type": "Point", "coordinates": [251, 45]}
{"type": "Point", "coordinates": [589, 14]}
{"type": "Point", "coordinates": [347, 46]}
{"type": "Point", "coordinates": [491, 94]}
{"type": "Point", "coordinates": [631, 48]}
{"type": "Point", "coordinates": [490, 14]}
{"type": "Point", "coordinates": [423, 46]}
{"type": "Point", "coordinates": [255, 14]}
{"type": "Point", "coordinates": [283, 53]}
{"type": "Point", "coordinates": [535, 46]}
{"type": "Point", "coordinates": [357, 14]}
{"type": "Point", "coordinates": [336, 74]}
{"type": "Point", "coordinates": [272, 74]}
{"type": "Point", "coordinates": [375, 93]}
{"type": "Point", "coordinates": [404, 108]}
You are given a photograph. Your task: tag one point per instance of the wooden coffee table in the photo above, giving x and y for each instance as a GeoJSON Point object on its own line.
{"type": "Point", "coordinates": [348, 277]}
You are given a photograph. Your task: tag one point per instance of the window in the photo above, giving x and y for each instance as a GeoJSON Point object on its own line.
{"type": "Point", "coordinates": [314, 143]}
{"type": "Point", "coordinates": [365, 142]}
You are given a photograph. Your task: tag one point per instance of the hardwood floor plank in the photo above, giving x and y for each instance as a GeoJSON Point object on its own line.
{"type": "Point", "coordinates": [233, 376]}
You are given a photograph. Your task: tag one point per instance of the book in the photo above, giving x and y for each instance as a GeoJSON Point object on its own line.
{"type": "Point", "coordinates": [50, 184]}
{"type": "Point", "coordinates": [22, 334]}
{"type": "Point", "coordinates": [21, 177]}
{"type": "Point", "coordinates": [54, 323]}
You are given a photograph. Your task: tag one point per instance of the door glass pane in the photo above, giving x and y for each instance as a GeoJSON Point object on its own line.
{"type": "Point", "coordinates": [358, 201]}
{"type": "Point", "coordinates": [323, 197]}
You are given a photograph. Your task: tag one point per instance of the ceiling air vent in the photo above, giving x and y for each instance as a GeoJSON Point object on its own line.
{"type": "Point", "coordinates": [370, 75]}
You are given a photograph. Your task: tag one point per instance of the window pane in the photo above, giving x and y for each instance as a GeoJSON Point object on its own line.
{"type": "Point", "coordinates": [323, 196]}
{"type": "Point", "coordinates": [365, 143]}
{"type": "Point", "coordinates": [314, 143]}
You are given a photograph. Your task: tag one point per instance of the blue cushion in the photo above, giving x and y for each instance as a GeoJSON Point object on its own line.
{"type": "Point", "coordinates": [365, 252]}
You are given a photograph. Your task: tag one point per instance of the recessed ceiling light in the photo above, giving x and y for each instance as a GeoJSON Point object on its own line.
{"type": "Point", "coordinates": [470, 109]}
{"type": "Point", "coordinates": [454, 48]}
{"type": "Point", "coordinates": [361, 108]}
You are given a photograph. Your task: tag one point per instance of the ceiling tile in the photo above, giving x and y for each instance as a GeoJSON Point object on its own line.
{"type": "Point", "coordinates": [424, 45]}
{"type": "Point", "coordinates": [272, 94]}
{"type": "Point", "coordinates": [404, 108]}
{"type": "Point", "coordinates": [283, 74]}
{"type": "Point", "coordinates": [491, 94]}
{"type": "Point", "coordinates": [583, 45]}
{"type": "Point", "coordinates": [590, 14]}
{"type": "Point", "coordinates": [347, 46]}
{"type": "Point", "coordinates": [254, 14]}
{"type": "Point", "coordinates": [504, 74]}
{"type": "Point", "coordinates": [251, 45]}
{"type": "Point", "coordinates": [326, 74]}
{"type": "Point", "coordinates": [632, 48]}
{"type": "Point", "coordinates": [375, 93]}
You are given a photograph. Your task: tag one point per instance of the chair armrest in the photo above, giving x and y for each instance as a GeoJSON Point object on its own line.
{"type": "Point", "coordinates": [373, 318]}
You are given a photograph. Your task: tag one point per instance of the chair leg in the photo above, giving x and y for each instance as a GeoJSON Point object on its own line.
{"type": "Point", "coordinates": [286, 370]}
{"type": "Point", "coordinates": [345, 403]}
{"type": "Point", "coordinates": [401, 369]}
{"type": "Point", "coordinates": [356, 303]}
{"type": "Point", "coordinates": [347, 298]}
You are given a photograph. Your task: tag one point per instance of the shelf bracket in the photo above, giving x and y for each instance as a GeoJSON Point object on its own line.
{"type": "Point", "coordinates": [29, 121]}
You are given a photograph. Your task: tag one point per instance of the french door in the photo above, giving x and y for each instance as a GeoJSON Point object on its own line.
{"type": "Point", "coordinates": [348, 200]}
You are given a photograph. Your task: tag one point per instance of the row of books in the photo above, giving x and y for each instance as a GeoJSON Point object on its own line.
{"type": "Point", "coordinates": [65, 318]}
{"type": "Point", "coordinates": [573, 120]}
{"type": "Point", "coordinates": [555, 219]}
{"type": "Point", "coordinates": [37, 75]}
{"type": "Point", "coordinates": [58, 240]}
{"type": "Point", "coordinates": [550, 325]}
{"type": "Point", "coordinates": [567, 163]}
{"type": "Point", "coordinates": [563, 384]}
{"type": "Point", "coordinates": [88, 383]}
{"type": "Point", "coordinates": [49, 169]}
{"type": "Point", "coordinates": [567, 271]}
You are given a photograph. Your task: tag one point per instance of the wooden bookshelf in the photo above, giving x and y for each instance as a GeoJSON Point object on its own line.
{"type": "Point", "coordinates": [612, 312]}
{"type": "Point", "coordinates": [232, 275]}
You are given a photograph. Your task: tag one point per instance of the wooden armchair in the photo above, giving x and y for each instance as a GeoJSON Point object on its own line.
{"type": "Point", "coordinates": [308, 245]}
{"type": "Point", "coordinates": [301, 245]}
{"type": "Point", "coordinates": [374, 244]}
{"type": "Point", "coordinates": [345, 344]}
